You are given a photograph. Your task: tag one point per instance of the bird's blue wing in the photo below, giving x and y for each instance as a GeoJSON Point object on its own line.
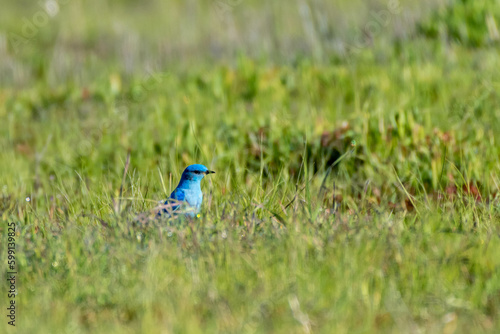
{"type": "Point", "coordinates": [177, 195]}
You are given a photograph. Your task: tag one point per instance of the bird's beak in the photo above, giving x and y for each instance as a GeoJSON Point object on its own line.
{"type": "Point", "coordinates": [209, 172]}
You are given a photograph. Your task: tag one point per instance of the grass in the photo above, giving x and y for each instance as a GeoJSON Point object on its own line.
{"type": "Point", "coordinates": [401, 235]}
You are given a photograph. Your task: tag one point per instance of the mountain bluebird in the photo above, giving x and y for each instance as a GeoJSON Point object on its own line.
{"type": "Point", "coordinates": [188, 191]}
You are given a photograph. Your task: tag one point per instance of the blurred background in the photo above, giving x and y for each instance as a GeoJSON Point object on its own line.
{"type": "Point", "coordinates": [76, 40]}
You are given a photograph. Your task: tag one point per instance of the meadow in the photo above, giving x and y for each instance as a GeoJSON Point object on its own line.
{"type": "Point", "coordinates": [356, 150]}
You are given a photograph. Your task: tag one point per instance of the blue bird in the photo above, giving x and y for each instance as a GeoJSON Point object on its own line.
{"type": "Point", "coordinates": [188, 191]}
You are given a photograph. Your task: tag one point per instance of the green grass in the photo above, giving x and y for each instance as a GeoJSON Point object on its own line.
{"type": "Point", "coordinates": [402, 238]}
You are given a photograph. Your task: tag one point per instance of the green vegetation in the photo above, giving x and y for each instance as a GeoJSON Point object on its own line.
{"type": "Point", "coordinates": [401, 235]}
{"type": "Point", "coordinates": [473, 23]}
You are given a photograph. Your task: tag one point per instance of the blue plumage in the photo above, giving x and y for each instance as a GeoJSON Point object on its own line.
{"type": "Point", "coordinates": [178, 194]}
{"type": "Point", "coordinates": [188, 191]}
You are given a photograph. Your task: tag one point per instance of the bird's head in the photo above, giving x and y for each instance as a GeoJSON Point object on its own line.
{"type": "Point", "coordinates": [195, 172]}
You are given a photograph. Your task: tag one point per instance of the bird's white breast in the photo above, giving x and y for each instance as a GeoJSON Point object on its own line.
{"type": "Point", "coordinates": [193, 197]}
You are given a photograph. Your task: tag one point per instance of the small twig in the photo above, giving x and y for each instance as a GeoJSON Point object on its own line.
{"type": "Point", "coordinates": [442, 168]}
{"type": "Point", "coordinates": [333, 196]}
{"type": "Point", "coordinates": [410, 197]}
{"type": "Point", "coordinates": [294, 197]}
{"type": "Point", "coordinates": [103, 223]}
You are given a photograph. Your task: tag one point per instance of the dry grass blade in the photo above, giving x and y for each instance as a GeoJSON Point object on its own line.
{"type": "Point", "coordinates": [125, 170]}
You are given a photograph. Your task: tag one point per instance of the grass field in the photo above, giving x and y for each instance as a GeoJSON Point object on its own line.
{"type": "Point", "coordinates": [356, 147]}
